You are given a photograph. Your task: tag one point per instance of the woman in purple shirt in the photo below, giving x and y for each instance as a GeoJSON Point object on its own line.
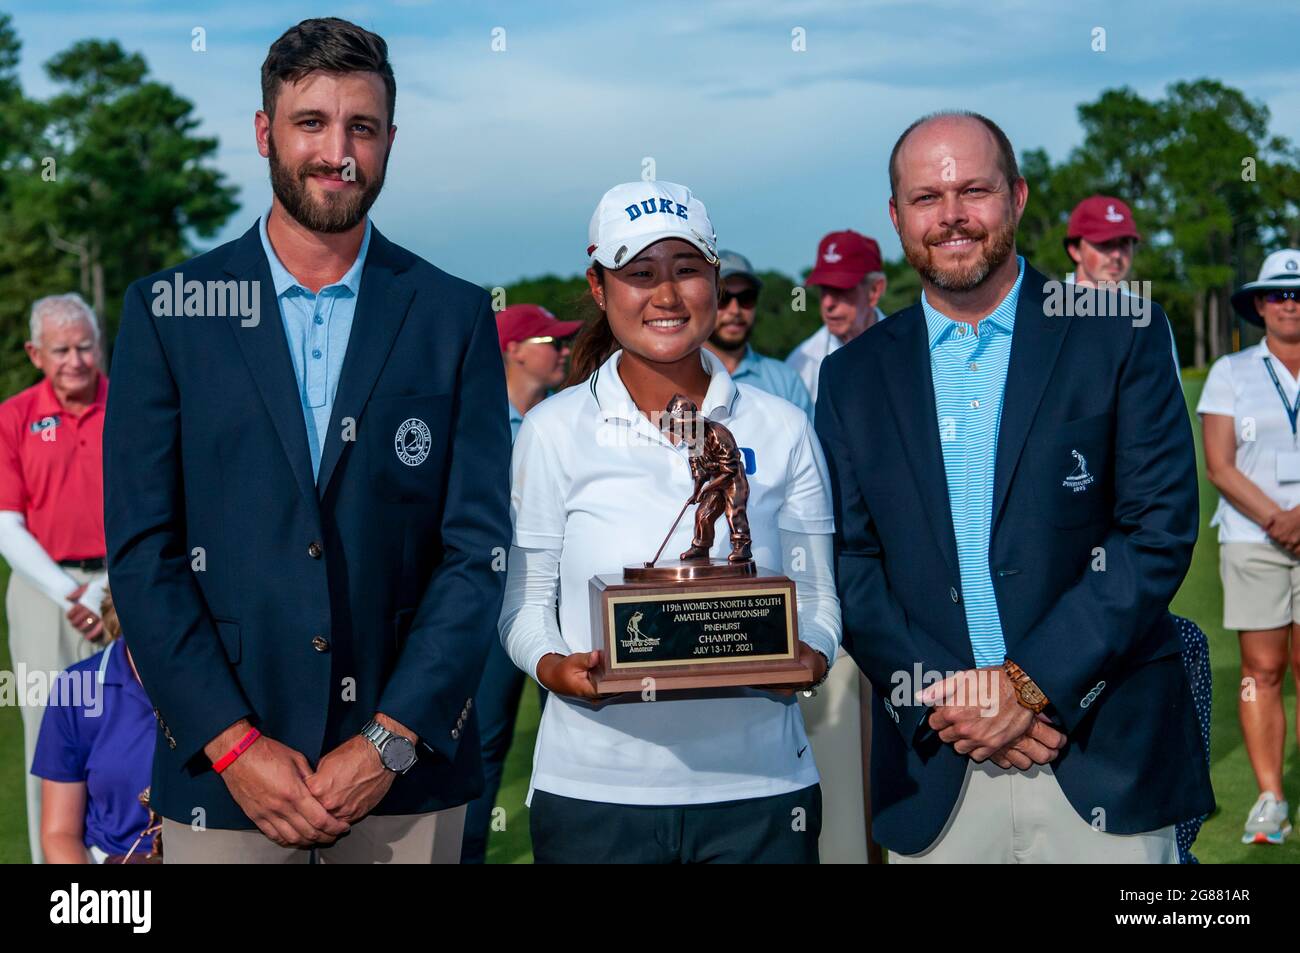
{"type": "Point", "coordinates": [94, 755]}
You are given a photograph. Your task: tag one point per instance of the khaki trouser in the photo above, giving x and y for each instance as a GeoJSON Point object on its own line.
{"type": "Point", "coordinates": [1023, 817]}
{"type": "Point", "coordinates": [41, 639]}
{"type": "Point", "coordinates": [432, 838]}
{"type": "Point", "coordinates": [833, 720]}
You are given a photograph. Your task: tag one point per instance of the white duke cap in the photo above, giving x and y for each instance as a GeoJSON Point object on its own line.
{"type": "Point", "coordinates": [635, 215]}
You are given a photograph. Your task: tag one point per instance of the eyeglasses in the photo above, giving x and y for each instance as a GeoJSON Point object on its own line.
{"type": "Point", "coordinates": [1277, 297]}
{"type": "Point", "coordinates": [746, 299]}
{"type": "Point", "coordinates": [558, 343]}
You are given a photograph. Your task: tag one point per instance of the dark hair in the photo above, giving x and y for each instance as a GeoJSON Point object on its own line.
{"type": "Point", "coordinates": [595, 342]}
{"type": "Point", "coordinates": [1006, 154]}
{"type": "Point", "coordinates": [328, 45]}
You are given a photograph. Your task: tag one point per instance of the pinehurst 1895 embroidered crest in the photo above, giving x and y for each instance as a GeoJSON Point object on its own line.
{"type": "Point", "coordinates": [1079, 477]}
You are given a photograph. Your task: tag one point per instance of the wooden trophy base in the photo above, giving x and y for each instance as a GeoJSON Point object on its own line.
{"type": "Point", "coordinates": [694, 624]}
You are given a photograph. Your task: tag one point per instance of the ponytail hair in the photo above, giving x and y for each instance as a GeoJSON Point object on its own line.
{"type": "Point", "coordinates": [595, 342]}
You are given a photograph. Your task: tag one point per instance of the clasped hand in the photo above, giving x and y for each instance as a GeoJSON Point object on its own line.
{"type": "Point", "coordinates": [993, 725]}
{"type": "Point", "coordinates": [295, 806]}
{"type": "Point", "coordinates": [1284, 529]}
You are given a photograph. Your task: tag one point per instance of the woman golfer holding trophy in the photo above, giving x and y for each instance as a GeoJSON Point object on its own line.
{"type": "Point", "coordinates": [598, 473]}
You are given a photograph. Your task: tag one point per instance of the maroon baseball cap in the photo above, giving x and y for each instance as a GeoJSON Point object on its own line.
{"type": "Point", "coordinates": [1100, 218]}
{"type": "Point", "coordinates": [521, 321]}
{"type": "Point", "coordinates": [844, 259]}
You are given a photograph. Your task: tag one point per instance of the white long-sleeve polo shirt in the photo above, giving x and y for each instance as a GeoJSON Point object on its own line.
{"type": "Point", "coordinates": [595, 487]}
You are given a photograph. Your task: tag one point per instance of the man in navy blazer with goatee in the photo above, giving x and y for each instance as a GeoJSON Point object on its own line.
{"type": "Point", "coordinates": [306, 475]}
{"type": "Point", "coordinates": [1016, 504]}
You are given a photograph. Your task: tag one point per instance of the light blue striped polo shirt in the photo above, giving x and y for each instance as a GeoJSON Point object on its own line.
{"type": "Point", "coordinates": [969, 368]}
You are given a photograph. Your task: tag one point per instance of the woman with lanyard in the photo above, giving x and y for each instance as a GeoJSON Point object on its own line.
{"type": "Point", "coordinates": [1249, 411]}
{"type": "Point", "coordinates": [718, 776]}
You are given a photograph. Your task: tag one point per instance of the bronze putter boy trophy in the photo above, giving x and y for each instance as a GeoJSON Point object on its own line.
{"type": "Point", "coordinates": [699, 622]}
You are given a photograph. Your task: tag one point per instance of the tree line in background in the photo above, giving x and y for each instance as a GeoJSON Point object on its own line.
{"type": "Point", "coordinates": [100, 184]}
{"type": "Point", "coordinates": [1212, 192]}
{"type": "Point", "coordinates": [107, 181]}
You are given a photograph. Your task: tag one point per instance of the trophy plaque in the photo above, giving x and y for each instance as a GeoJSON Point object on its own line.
{"type": "Point", "coordinates": [699, 622]}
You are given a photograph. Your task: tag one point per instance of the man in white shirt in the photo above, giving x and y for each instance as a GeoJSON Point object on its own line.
{"type": "Point", "coordinates": [850, 277]}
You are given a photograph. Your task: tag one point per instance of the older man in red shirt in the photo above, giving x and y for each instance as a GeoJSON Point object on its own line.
{"type": "Point", "coordinates": [52, 510]}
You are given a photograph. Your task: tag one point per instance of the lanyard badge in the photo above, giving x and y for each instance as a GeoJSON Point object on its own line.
{"type": "Point", "coordinates": [1288, 462]}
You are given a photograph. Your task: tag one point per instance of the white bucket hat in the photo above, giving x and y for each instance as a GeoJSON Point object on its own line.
{"type": "Point", "coordinates": [1280, 270]}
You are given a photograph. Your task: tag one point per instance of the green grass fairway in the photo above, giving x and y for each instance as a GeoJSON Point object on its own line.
{"type": "Point", "coordinates": [13, 795]}
{"type": "Point", "coordinates": [1200, 599]}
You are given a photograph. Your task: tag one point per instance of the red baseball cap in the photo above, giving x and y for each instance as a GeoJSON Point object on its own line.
{"type": "Point", "coordinates": [844, 259]}
{"type": "Point", "coordinates": [521, 321]}
{"type": "Point", "coordinates": [1099, 218]}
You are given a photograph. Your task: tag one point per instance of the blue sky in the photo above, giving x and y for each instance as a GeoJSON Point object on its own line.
{"type": "Point", "coordinates": [501, 156]}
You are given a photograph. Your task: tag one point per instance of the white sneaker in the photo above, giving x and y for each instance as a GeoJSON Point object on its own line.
{"type": "Point", "coordinates": [1267, 823]}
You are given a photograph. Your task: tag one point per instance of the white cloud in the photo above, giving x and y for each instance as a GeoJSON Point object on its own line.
{"type": "Point", "coordinates": [500, 157]}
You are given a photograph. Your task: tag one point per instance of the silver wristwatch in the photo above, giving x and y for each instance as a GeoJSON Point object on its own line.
{"type": "Point", "coordinates": [397, 752]}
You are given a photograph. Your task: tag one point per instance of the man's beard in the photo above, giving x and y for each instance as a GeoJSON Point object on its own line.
{"type": "Point", "coordinates": [716, 340]}
{"type": "Point", "coordinates": [968, 276]}
{"type": "Point", "coordinates": [335, 211]}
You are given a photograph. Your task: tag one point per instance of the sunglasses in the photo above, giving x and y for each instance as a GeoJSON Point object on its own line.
{"type": "Point", "coordinates": [558, 343]}
{"type": "Point", "coordinates": [746, 299]}
{"type": "Point", "coordinates": [1277, 297]}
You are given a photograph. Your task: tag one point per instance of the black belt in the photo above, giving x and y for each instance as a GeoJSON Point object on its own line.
{"type": "Point", "coordinates": [86, 565]}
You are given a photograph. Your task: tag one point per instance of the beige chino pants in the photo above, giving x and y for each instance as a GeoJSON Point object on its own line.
{"type": "Point", "coordinates": [41, 640]}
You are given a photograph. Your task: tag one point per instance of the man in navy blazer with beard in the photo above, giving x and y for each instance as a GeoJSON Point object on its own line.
{"type": "Point", "coordinates": [1016, 505]}
{"type": "Point", "coordinates": [306, 475]}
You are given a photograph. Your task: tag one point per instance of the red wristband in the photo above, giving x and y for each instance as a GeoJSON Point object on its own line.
{"type": "Point", "coordinates": [227, 759]}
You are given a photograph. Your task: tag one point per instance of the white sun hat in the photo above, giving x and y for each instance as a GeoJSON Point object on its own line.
{"type": "Point", "coordinates": [1281, 270]}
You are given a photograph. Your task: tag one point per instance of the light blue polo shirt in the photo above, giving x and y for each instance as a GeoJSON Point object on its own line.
{"type": "Point", "coordinates": [516, 420]}
{"type": "Point", "coordinates": [317, 328]}
{"type": "Point", "coordinates": [775, 377]}
{"type": "Point", "coordinates": [969, 368]}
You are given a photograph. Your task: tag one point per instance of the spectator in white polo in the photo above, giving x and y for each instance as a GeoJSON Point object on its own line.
{"type": "Point", "coordinates": [850, 277]}
{"type": "Point", "coordinates": [737, 310]}
{"type": "Point", "coordinates": [52, 509]}
{"type": "Point", "coordinates": [1249, 410]}
{"type": "Point", "coordinates": [715, 777]}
